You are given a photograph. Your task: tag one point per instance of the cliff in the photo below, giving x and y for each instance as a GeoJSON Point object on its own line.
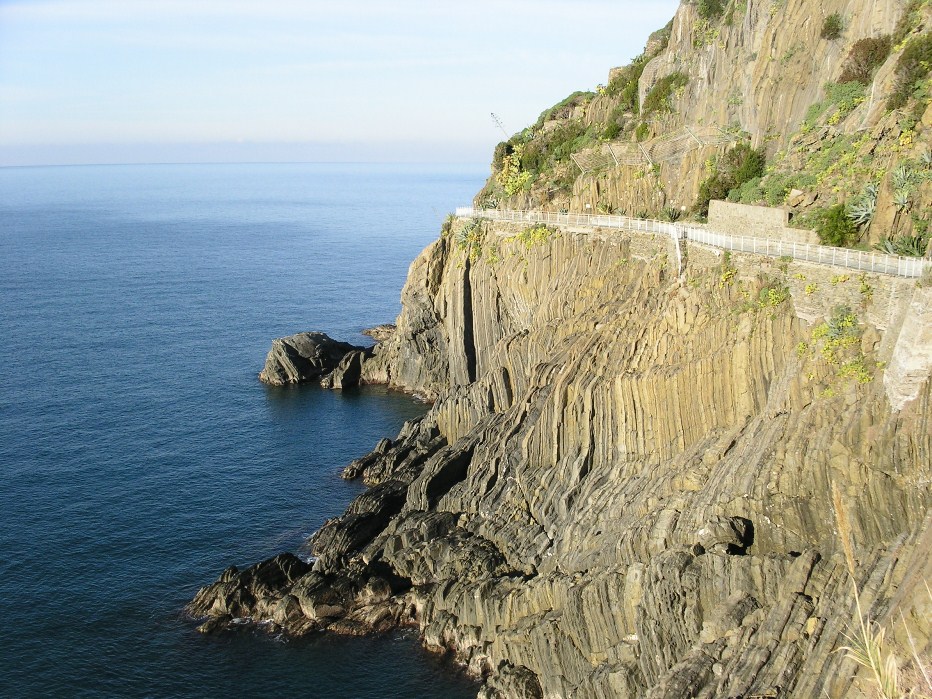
{"type": "Point", "coordinates": [624, 487]}
{"type": "Point", "coordinates": [645, 480]}
{"type": "Point", "coordinates": [833, 95]}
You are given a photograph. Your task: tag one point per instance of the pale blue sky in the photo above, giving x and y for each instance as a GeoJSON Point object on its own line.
{"type": "Point", "coordinates": [279, 80]}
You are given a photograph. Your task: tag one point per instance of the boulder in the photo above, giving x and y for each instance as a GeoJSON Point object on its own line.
{"type": "Point", "coordinates": [347, 372]}
{"type": "Point", "coordinates": [303, 357]}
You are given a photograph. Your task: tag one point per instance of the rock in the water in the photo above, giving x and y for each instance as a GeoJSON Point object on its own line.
{"type": "Point", "coordinates": [250, 593]}
{"type": "Point", "coordinates": [303, 357]}
{"type": "Point", "coordinates": [348, 371]}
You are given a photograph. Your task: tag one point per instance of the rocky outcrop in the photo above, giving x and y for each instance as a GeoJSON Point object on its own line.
{"type": "Point", "coordinates": [303, 357]}
{"type": "Point", "coordinates": [380, 332]}
{"type": "Point", "coordinates": [624, 486]}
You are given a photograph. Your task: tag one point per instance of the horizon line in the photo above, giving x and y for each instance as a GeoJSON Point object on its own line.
{"type": "Point", "coordinates": [250, 162]}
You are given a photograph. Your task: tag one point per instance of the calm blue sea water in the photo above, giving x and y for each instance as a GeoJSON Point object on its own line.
{"type": "Point", "coordinates": [139, 453]}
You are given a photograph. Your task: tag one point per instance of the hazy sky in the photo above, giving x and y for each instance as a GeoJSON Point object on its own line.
{"type": "Point", "coordinates": [354, 80]}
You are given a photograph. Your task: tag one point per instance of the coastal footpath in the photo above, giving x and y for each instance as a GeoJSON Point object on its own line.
{"type": "Point", "coordinates": [653, 466]}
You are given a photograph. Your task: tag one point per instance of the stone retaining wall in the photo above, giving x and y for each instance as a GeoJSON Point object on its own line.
{"type": "Point", "coordinates": [756, 221]}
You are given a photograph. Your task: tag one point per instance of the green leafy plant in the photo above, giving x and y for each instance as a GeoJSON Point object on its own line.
{"type": "Point", "coordinates": [625, 84]}
{"type": "Point", "coordinates": [641, 132]}
{"type": "Point", "coordinates": [611, 131]}
{"type": "Point", "coordinates": [908, 21]}
{"type": "Point", "coordinates": [710, 9]}
{"type": "Point", "coordinates": [535, 235]}
{"type": "Point", "coordinates": [447, 225]}
{"type": "Point", "coordinates": [843, 96]}
{"type": "Point", "coordinates": [512, 177]}
{"type": "Point", "coordinates": [704, 33]}
{"type": "Point", "coordinates": [836, 336]}
{"type": "Point", "coordinates": [832, 27]}
{"type": "Point", "coordinates": [906, 245]}
{"type": "Point", "coordinates": [912, 67]}
{"type": "Point", "coordinates": [835, 228]}
{"type": "Point", "coordinates": [658, 100]}
{"type": "Point", "coordinates": [727, 271]}
{"type": "Point", "coordinates": [469, 238]}
{"type": "Point", "coordinates": [565, 107]}
{"type": "Point", "coordinates": [738, 166]}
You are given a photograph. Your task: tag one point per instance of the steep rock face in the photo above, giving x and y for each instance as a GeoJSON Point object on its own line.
{"type": "Point", "coordinates": [624, 487]}
{"type": "Point", "coordinates": [765, 66]}
{"type": "Point", "coordinates": [759, 72]}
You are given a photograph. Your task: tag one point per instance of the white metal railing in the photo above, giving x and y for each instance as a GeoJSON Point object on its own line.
{"type": "Point", "coordinates": [876, 262]}
{"type": "Point", "coordinates": [601, 220]}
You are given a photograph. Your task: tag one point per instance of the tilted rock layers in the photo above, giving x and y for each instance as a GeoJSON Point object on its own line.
{"type": "Point", "coordinates": [624, 487]}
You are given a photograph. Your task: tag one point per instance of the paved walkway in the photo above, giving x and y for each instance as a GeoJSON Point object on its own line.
{"type": "Point", "coordinates": [875, 262]}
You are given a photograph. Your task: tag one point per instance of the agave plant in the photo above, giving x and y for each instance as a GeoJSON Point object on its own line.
{"type": "Point", "coordinates": [861, 210]}
{"type": "Point", "coordinates": [901, 197]}
{"type": "Point", "coordinates": [671, 214]}
{"type": "Point", "coordinates": [903, 178]}
{"type": "Point", "coordinates": [908, 245]}
{"type": "Point", "coordinates": [885, 245]}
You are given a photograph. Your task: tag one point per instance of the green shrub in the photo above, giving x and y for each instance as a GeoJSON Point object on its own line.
{"type": "Point", "coordinates": [498, 156]}
{"type": "Point", "coordinates": [748, 193]}
{"type": "Point", "coordinates": [912, 67]}
{"type": "Point", "coordinates": [563, 108]}
{"type": "Point", "coordinates": [710, 9]}
{"type": "Point", "coordinates": [469, 238]}
{"type": "Point", "coordinates": [713, 187]}
{"type": "Point", "coordinates": [544, 150]}
{"type": "Point", "coordinates": [865, 56]}
{"type": "Point", "coordinates": [514, 176]}
{"type": "Point", "coordinates": [641, 132]}
{"type": "Point", "coordinates": [835, 228]}
{"type": "Point", "coordinates": [740, 165]}
{"type": "Point", "coordinates": [658, 99]}
{"type": "Point", "coordinates": [844, 96]}
{"type": "Point", "coordinates": [909, 20]}
{"type": "Point", "coordinates": [832, 27]}
{"type": "Point", "coordinates": [662, 38]}
{"type": "Point", "coordinates": [611, 131]}
{"type": "Point", "coordinates": [568, 139]}
{"type": "Point", "coordinates": [625, 84]}
{"type": "Point", "coordinates": [743, 163]}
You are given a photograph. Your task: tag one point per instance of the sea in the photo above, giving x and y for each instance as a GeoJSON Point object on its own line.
{"type": "Point", "coordinates": [139, 453]}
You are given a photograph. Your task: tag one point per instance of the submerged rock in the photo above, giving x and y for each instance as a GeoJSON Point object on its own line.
{"type": "Point", "coordinates": [303, 357]}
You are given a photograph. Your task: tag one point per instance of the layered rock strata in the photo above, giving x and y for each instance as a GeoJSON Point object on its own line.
{"type": "Point", "coordinates": [624, 487]}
